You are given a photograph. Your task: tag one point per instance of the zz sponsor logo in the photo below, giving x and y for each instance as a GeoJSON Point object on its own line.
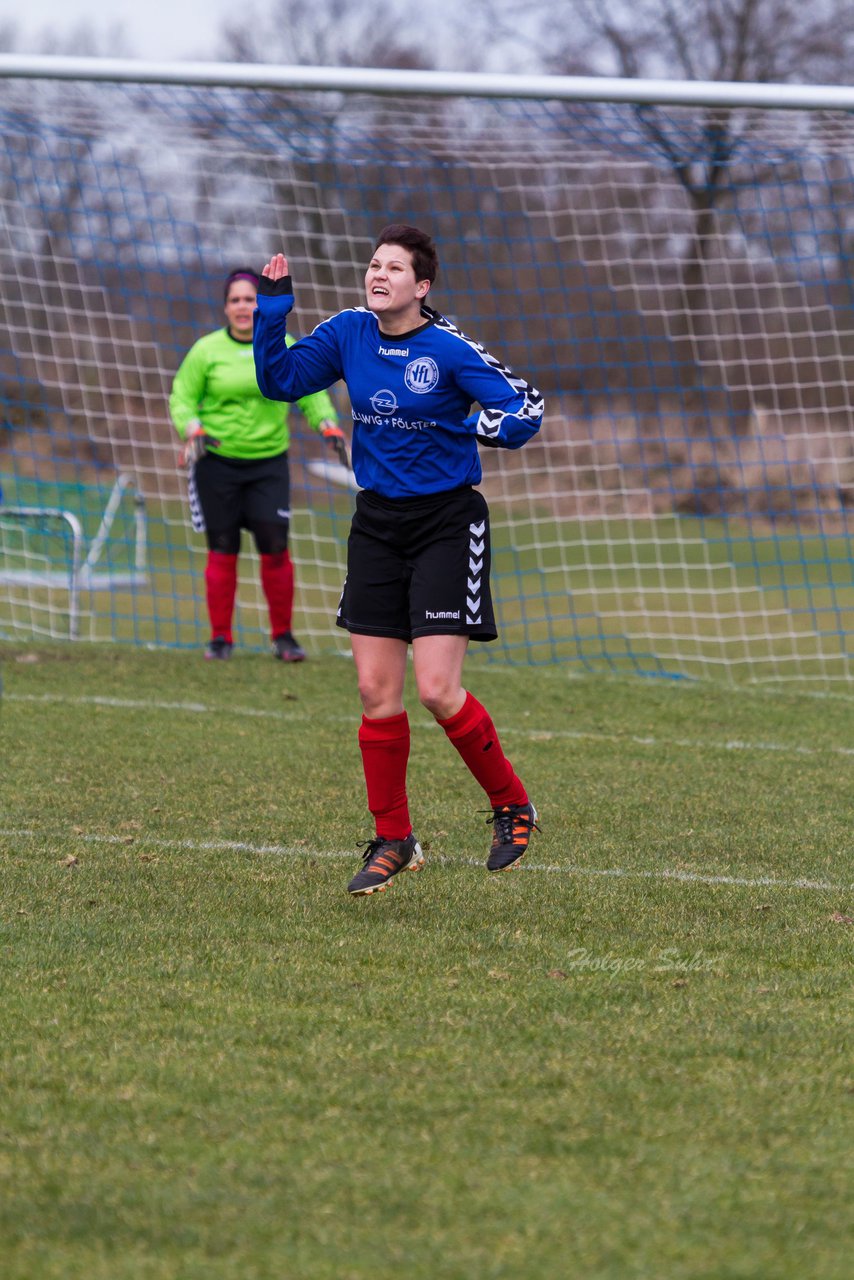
{"type": "Point", "coordinates": [384, 402]}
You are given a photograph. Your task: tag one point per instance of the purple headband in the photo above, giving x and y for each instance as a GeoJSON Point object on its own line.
{"type": "Point", "coordinates": [240, 274]}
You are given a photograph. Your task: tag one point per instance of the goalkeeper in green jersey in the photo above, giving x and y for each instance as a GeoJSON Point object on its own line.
{"type": "Point", "coordinates": [236, 452]}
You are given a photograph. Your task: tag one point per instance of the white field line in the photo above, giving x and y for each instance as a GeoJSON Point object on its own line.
{"type": "Point", "coordinates": [532, 734]}
{"type": "Point", "coordinates": [300, 851]}
{"type": "Point", "coordinates": [772, 688]}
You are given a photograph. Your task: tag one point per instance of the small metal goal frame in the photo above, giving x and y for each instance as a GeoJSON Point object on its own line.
{"type": "Point", "coordinates": [82, 573]}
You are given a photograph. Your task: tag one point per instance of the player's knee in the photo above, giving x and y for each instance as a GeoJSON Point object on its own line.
{"type": "Point", "coordinates": [373, 698]}
{"type": "Point", "coordinates": [270, 539]}
{"type": "Point", "coordinates": [226, 542]}
{"type": "Point", "coordinates": [438, 694]}
{"type": "Point", "coordinates": [378, 695]}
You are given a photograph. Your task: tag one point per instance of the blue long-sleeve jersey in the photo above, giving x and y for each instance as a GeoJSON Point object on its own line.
{"type": "Point", "coordinates": [411, 395]}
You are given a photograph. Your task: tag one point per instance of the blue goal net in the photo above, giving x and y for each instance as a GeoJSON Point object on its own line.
{"type": "Point", "coordinates": [676, 280]}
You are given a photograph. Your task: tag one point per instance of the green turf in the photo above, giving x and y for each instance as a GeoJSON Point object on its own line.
{"type": "Point", "coordinates": [629, 1059]}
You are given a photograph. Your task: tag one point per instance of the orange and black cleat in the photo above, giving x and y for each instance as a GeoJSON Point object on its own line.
{"type": "Point", "coordinates": [512, 826]}
{"type": "Point", "coordinates": [384, 859]}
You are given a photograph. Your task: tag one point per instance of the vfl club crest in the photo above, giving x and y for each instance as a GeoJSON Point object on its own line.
{"type": "Point", "coordinates": [421, 375]}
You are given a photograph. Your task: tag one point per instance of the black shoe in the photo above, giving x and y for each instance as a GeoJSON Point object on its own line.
{"type": "Point", "coordinates": [286, 649]}
{"type": "Point", "coordinates": [512, 826]}
{"type": "Point", "coordinates": [384, 859]}
{"type": "Point", "coordinates": [219, 649]}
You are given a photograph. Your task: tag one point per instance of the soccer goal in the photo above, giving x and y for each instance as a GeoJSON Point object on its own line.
{"type": "Point", "coordinates": [45, 556]}
{"type": "Point", "coordinates": [671, 264]}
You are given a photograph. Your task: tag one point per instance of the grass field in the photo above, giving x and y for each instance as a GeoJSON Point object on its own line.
{"type": "Point", "coordinates": [630, 1059]}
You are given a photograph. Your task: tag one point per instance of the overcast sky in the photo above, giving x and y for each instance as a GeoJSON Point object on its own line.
{"type": "Point", "coordinates": [153, 29]}
{"type": "Point", "coordinates": [170, 30]}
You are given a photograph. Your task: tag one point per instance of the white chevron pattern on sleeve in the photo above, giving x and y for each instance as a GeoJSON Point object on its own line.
{"type": "Point", "coordinates": [489, 420]}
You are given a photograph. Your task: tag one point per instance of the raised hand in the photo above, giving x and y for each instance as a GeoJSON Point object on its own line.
{"type": "Point", "coordinates": [276, 268]}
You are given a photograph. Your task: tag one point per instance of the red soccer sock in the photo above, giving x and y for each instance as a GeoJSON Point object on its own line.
{"type": "Point", "coordinates": [384, 744]}
{"type": "Point", "coordinates": [473, 734]}
{"type": "Point", "coordinates": [221, 585]}
{"type": "Point", "coordinates": [277, 581]}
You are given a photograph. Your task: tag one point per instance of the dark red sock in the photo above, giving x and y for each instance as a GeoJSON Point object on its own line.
{"type": "Point", "coordinates": [473, 734]}
{"type": "Point", "coordinates": [221, 585]}
{"type": "Point", "coordinates": [384, 745]}
{"type": "Point", "coordinates": [277, 581]}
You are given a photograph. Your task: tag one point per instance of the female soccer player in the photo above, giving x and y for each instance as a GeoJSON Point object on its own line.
{"type": "Point", "coordinates": [418, 555]}
{"type": "Point", "coordinates": [236, 447]}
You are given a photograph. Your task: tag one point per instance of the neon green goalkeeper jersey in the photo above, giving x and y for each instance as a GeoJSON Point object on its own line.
{"type": "Point", "coordinates": [216, 386]}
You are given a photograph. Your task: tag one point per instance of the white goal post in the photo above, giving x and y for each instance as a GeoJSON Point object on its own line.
{"type": "Point", "coordinates": [670, 263]}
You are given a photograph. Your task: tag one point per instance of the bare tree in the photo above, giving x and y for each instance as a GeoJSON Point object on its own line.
{"type": "Point", "coordinates": [756, 41]}
{"type": "Point", "coordinates": [375, 33]}
{"type": "Point", "coordinates": [761, 41]}
{"type": "Point", "coordinates": [337, 33]}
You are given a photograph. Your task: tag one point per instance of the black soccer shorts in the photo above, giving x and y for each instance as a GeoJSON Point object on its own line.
{"type": "Point", "coordinates": [419, 567]}
{"type": "Point", "coordinates": [241, 493]}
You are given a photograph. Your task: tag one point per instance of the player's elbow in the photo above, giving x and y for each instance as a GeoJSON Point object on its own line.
{"type": "Point", "coordinates": [267, 383]}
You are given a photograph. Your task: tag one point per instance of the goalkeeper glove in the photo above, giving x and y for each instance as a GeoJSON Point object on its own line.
{"type": "Point", "coordinates": [195, 444]}
{"type": "Point", "coordinates": [334, 437]}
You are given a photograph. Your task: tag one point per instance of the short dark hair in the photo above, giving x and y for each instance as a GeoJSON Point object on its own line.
{"type": "Point", "coordinates": [425, 259]}
{"type": "Point", "coordinates": [240, 273]}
